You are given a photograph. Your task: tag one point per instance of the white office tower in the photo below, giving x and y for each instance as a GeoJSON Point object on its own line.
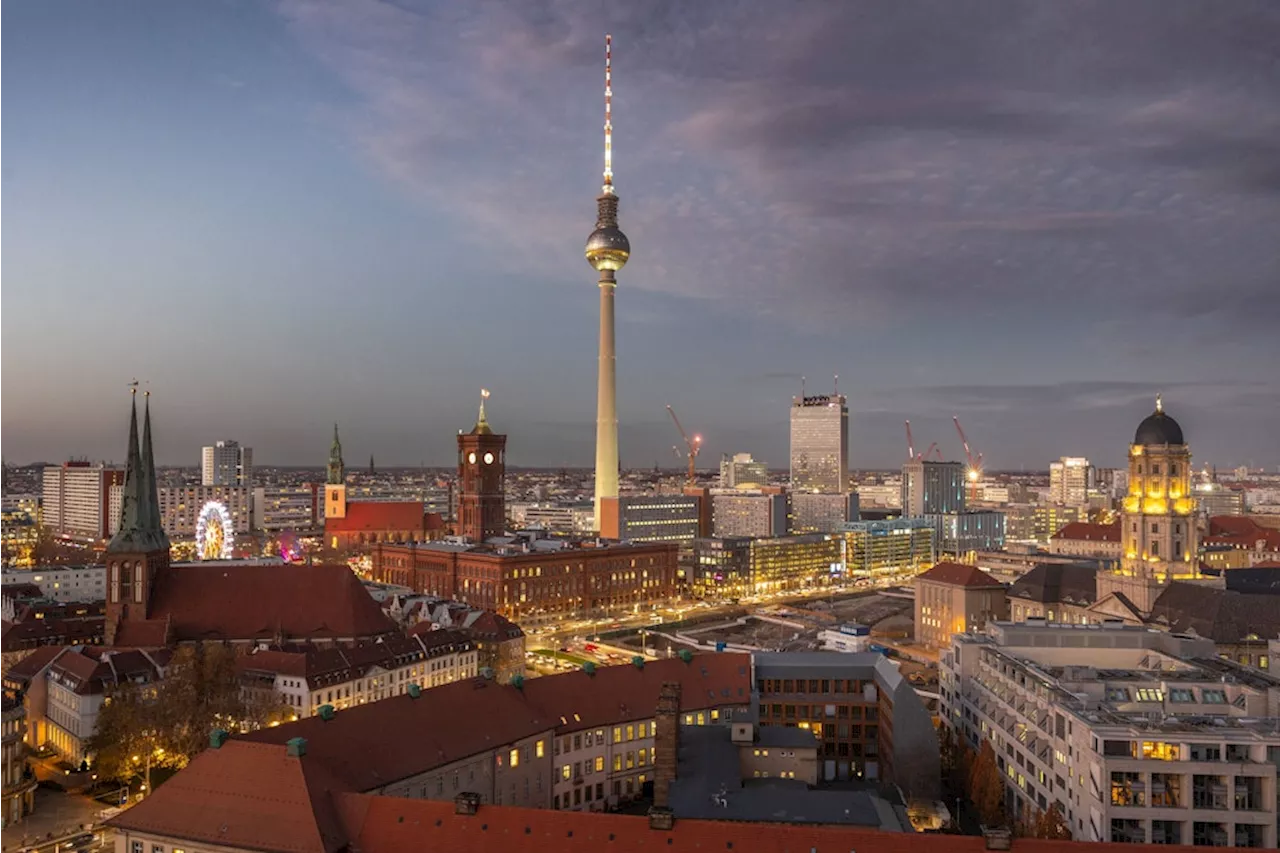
{"type": "Point", "coordinates": [226, 464]}
{"type": "Point", "coordinates": [1070, 479]}
{"type": "Point", "coordinates": [820, 444]}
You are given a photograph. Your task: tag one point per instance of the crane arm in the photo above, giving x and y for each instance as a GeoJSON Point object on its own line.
{"type": "Point", "coordinates": [911, 444]}
{"type": "Point", "coordinates": [968, 455]}
{"type": "Point", "coordinates": [683, 434]}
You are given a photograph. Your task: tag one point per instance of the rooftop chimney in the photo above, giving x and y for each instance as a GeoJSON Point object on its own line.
{"type": "Point", "coordinates": [217, 738]}
{"type": "Point", "coordinates": [661, 818]}
{"type": "Point", "coordinates": [468, 802]}
{"type": "Point", "coordinates": [997, 838]}
{"type": "Point", "coordinates": [295, 747]}
{"type": "Point", "coordinates": [666, 742]}
{"type": "Point", "coordinates": [326, 712]}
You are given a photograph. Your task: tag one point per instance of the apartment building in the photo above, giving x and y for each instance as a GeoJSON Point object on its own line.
{"type": "Point", "coordinates": [344, 676]}
{"type": "Point", "coordinates": [1138, 735]}
{"type": "Point", "coordinates": [63, 583]}
{"type": "Point", "coordinates": [76, 497]}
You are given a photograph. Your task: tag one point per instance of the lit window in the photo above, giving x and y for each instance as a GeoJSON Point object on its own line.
{"type": "Point", "coordinates": [514, 757]}
{"type": "Point", "coordinates": [539, 748]}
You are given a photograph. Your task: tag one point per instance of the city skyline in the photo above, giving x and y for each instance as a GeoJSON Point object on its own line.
{"type": "Point", "coordinates": [295, 210]}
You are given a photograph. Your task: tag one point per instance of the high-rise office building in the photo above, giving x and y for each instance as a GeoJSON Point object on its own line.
{"type": "Point", "coordinates": [1070, 479]}
{"type": "Point", "coordinates": [76, 499]}
{"type": "Point", "coordinates": [742, 472]}
{"type": "Point", "coordinates": [822, 513]}
{"type": "Point", "coordinates": [747, 512]}
{"type": "Point", "coordinates": [820, 444]}
{"type": "Point", "coordinates": [607, 251]}
{"type": "Point", "coordinates": [932, 488]}
{"type": "Point", "coordinates": [226, 463]}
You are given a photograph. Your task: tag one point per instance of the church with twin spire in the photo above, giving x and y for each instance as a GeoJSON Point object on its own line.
{"type": "Point", "coordinates": [152, 602]}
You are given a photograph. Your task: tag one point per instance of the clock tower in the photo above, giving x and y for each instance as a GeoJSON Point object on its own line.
{"type": "Point", "coordinates": [481, 469]}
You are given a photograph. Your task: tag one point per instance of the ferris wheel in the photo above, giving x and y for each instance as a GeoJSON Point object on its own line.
{"type": "Point", "coordinates": [214, 532]}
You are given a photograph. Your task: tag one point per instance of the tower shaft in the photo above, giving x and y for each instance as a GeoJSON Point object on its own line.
{"type": "Point", "coordinates": [606, 401]}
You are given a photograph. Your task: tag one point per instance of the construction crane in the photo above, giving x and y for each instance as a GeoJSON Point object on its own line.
{"type": "Point", "coordinates": [911, 449]}
{"type": "Point", "coordinates": [693, 444]}
{"type": "Point", "coordinates": [973, 474]}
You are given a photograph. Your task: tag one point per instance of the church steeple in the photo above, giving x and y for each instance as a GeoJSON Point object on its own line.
{"type": "Point", "coordinates": [337, 474]}
{"type": "Point", "coordinates": [140, 528]}
{"type": "Point", "coordinates": [138, 553]}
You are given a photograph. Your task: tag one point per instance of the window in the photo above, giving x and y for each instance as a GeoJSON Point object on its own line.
{"type": "Point", "coordinates": [617, 762]}
{"type": "Point", "coordinates": [1181, 694]}
{"type": "Point", "coordinates": [514, 757]}
{"type": "Point", "coordinates": [1159, 751]}
{"type": "Point", "coordinates": [599, 763]}
{"type": "Point", "coordinates": [566, 772]}
{"type": "Point", "coordinates": [1117, 694]}
{"type": "Point", "coordinates": [1150, 694]}
{"type": "Point", "coordinates": [539, 749]}
{"type": "Point", "coordinates": [1213, 696]}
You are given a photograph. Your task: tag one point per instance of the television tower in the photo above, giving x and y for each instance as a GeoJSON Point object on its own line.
{"type": "Point", "coordinates": [607, 251]}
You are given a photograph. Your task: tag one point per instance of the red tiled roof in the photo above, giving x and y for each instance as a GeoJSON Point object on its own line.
{"type": "Point", "coordinates": [1088, 532]}
{"type": "Point", "coordinates": [253, 602]}
{"type": "Point", "coordinates": [959, 574]}
{"type": "Point", "coordinates": [1241, 531]}
{"type": "Point", "coordinates": [368, 516]}
{"type": "Point", "coordinates": [494, 626]}
{"type": "Point", "coordinates": [440, 727]}
{"type": "Point", "coordinates": [373, 745]}
{"type": "Point", "coordinates": [251, 796]}
{"type": "Point", "coordinates": [43, 632]}
{"type": "Point", "coordinates": [31, 665]}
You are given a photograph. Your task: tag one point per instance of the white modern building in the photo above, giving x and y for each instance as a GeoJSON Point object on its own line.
{"type": "Point", "coordinates": [226, 463]}
{"type": "Point", "coordinates": [180, 508]}
{"type": "Point", "coordinates": [63, 583]}
{"type": "Point", "coordinates": [76, 500]}
{"type": "Point", "coordinates": [744, 512]}
{"type": "Point", "coordinates": [1070, 479]}
{"type": "Point", "coordinates": [554, 517]}
{"type": "Point", "coordinates": [1138, 735]}
{"type": "Point", "coordinates": [742, 471]}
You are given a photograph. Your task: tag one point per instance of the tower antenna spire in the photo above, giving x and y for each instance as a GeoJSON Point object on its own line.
{"type": "Point", "coordinates": [608, 115]}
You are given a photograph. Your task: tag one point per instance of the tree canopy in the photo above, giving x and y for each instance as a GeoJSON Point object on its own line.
{"type": "Point", "coordinates": [170, 720]}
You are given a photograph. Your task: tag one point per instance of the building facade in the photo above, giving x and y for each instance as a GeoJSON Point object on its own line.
{"type": "Point", "coordinates": [820, 444]}
{"type": "Point", "coordinates": [346, 676]}
{"type": "Point", "coordinates": [77, 498]}
{"type": "Point", "coordinates": [972, 530]}
{"type": "Point", "coordinates": [902, 545]}
{"type": "Point", "coordinates": [868, 720]}
{"type": "Point", "coordinates": [226, 463]}
{"type": "Point", "coordinates": [952, 598]}
{"type": "Point", "coordinates": [63, 583]}
{"type": "Point", "coordinates": [743, 512]}
{"type": "Point", "coordinates": [822, 513]}
{"type": "Point", "coordinates": [529, 578]}
{"type": "Point", "coordinates": [1137, 736]}
{"type": "Point", "coordinates": [742, 471]}
{"type": "Point", "coordinates": [182, 506]}
{"type": "Point", "coordinates": [655, 518]}
{"type": "Point", "coordinates": [1070, 479]}
{"type": "Point", "coordinates": [932, 488]}
{"type": "Point", "coordinates": [19, 782]}
{"type": "Point", "coordinates": [288, 507]}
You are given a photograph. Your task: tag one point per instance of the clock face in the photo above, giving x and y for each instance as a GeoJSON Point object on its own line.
{"type": "Point", "coordinates": [488, 459]}
{"type": "Point", "coordinates": [471, 457]}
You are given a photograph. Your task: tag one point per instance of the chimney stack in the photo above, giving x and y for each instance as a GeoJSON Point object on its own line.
{"type": "Point", "coordinates": [666, 743]}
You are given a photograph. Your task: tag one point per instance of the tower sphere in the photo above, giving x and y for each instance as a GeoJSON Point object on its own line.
{"type": "Point", "coordinates": [608, 249]}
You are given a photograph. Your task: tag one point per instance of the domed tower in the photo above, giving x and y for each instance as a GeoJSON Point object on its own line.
{"type": "Point", "coordinates": [607, 251]}
{"type": "Point", "coordinates": [1158, 534]}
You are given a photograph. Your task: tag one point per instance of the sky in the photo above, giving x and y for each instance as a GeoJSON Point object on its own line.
{"type": "Point", "coordinates": [284, 215]}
